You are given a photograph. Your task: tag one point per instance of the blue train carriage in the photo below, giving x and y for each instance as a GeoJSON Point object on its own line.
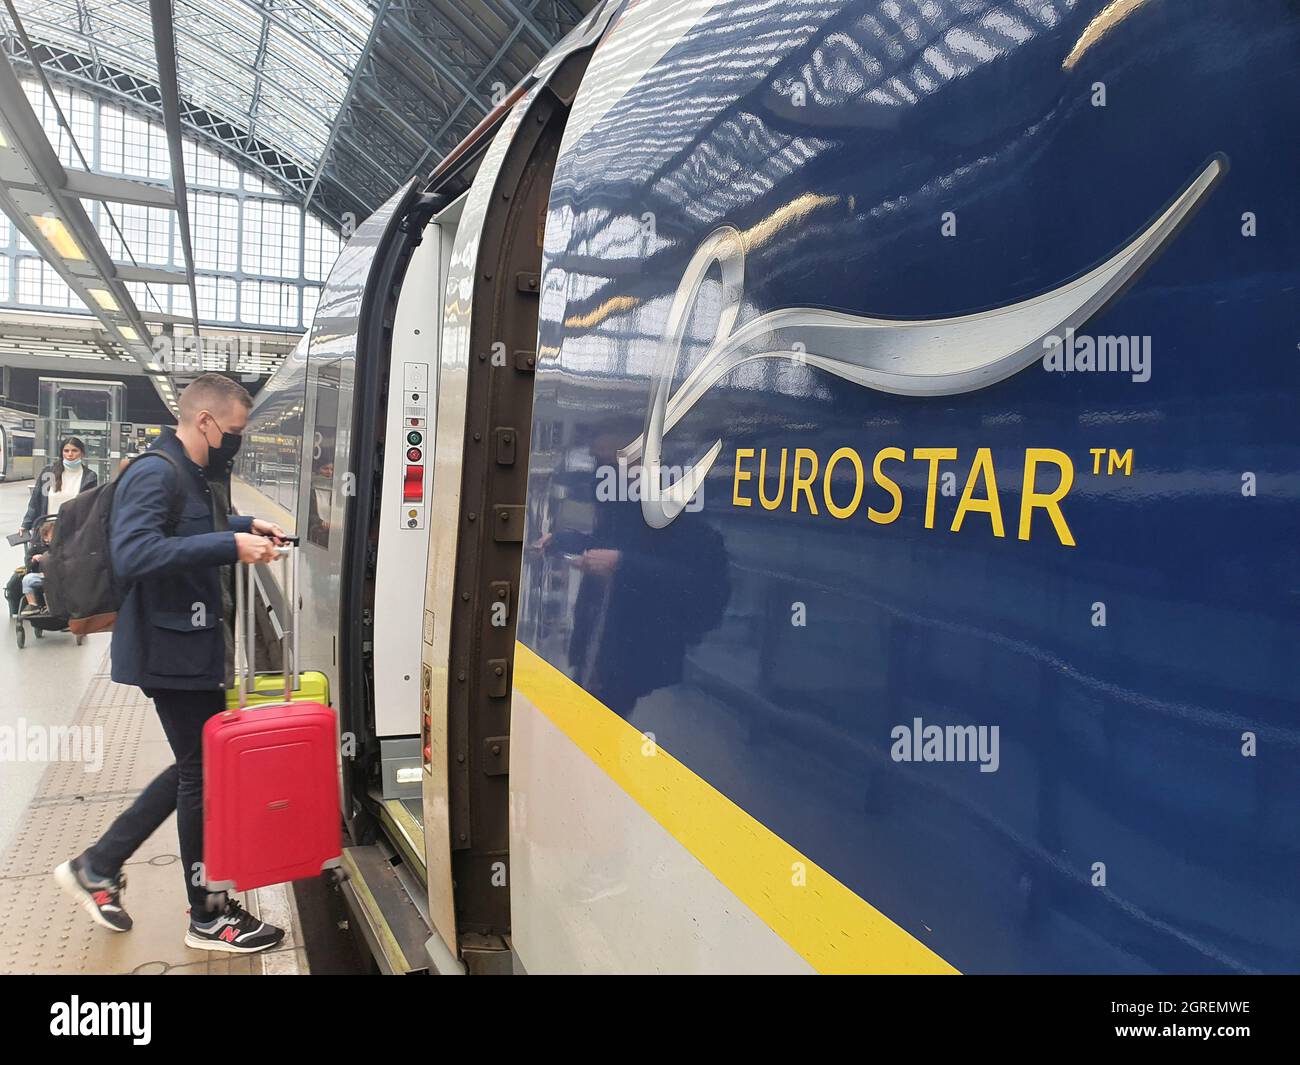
{"type": "Point", "coordinates": [910, 576]}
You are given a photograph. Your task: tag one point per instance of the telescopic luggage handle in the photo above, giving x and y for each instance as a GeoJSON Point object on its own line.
{"type": "Point", "coordinates": [245, 612]}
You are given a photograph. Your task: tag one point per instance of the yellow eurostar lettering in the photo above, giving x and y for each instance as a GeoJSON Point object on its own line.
{"type": "Point", "coordinates": [736, 501]}
{"type": "Point", "coordinates": [934, 455]}
{"type": "Point", "coordinates": [799, 483]}
{"type": "Point", "coordinates": [1030, 497]}
{"type": "Point", "coordinates": [884, 517]}
{"type": "Point", "coordinates": [990, 505]}
{"type": "Point", "coordinates": [809, 476]}
{"type": "Point", "coordinates": [856, 460]}
{"type": "Point", "coordinates": [770, 504]}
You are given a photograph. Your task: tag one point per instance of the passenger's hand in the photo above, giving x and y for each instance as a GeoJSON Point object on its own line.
{"type": "Point", "coordinates": [254, 548]}
{"type": "Point", "coordinates": [37, 558]}
{"type": "Point", "coordinates": [599, 561]}
{"type": "Point", "coordinates": [268, 528]}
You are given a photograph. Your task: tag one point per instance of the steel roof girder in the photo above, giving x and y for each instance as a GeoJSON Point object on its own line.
{"type": "Point", "coordinates": [91, 185]}
{"type": "Point", "coordinates": [403, 30]}
{"type": "Point", "coordinates": [133, 93]}
{"type": "Point", "coordinates": [164, 39]}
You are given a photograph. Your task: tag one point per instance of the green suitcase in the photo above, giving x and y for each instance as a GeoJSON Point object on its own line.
{"type": "Point", "coordinates": [269, 688]}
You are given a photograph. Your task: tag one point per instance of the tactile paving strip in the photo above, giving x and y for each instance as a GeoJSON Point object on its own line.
{"type": "Point", "coordinates": [45, 931]}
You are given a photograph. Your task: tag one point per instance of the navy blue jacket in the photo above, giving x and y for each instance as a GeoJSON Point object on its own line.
{"type": "Point", "coordinates": [169, 631]}
{"type": "Point", "coordinates": [40, 494]}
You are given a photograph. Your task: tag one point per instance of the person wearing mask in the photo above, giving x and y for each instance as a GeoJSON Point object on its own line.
{"type": "Point", "coordinates": [174, 544]}
{"type": "Point", "coordinates": [59, 482]}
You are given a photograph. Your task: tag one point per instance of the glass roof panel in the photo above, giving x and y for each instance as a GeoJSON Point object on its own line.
{"type": "Point", "coordinates": [268, 79]}
{"type": "Point", "coordinates": [231, 42]}
{"type": "Point", "coordinates": [280, 72]}
{"type": "Point", "coordinates": [299, 72]}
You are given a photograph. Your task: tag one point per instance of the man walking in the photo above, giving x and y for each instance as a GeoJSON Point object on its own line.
{"type": "Point", "coordinates": [171, 539]}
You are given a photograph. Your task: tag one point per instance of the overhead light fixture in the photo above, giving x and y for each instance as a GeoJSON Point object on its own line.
{"type": "Point", "coordinates": [104, 298]}
{"type": "Point", "coordinates": [129, 333]}
{"type": "Point", "coordinates": [3, 142]}
{"type": "Point", "coordinates": [53, 230]}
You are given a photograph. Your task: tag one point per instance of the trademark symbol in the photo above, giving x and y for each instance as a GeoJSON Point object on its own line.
{"type": "Point", "coordinates": [1114, 460]}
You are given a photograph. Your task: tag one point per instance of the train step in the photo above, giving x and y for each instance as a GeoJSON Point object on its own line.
{"type": "Point", "coordinates": [401, 819]}
{"type": "Point", "coordinates": [382, 899]}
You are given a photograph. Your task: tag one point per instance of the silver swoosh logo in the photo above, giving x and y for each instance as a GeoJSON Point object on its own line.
{"type": "Point", "coordinates": [936, 357]}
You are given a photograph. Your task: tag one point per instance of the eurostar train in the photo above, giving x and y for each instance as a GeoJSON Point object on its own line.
{"type": "Point", "coordinates": [813, 487]}
{"type": "Point", "coordinates": [17, 441]}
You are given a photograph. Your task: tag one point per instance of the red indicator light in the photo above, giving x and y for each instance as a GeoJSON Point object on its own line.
{"type": "Point", "coordinates": [413, 454]}
{"type": "Point", "coordinates": [413, 486]}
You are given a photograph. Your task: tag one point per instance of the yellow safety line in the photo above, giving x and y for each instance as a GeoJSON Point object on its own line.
{"type": "Point", "coordinates": [820, 918]}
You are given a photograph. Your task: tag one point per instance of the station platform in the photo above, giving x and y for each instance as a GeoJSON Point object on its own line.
{"type": "Point", "coordinates": [51, 809]}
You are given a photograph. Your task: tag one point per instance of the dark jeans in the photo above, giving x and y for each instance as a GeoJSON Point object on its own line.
{"type": "Point", "coordinates": [178, 787]}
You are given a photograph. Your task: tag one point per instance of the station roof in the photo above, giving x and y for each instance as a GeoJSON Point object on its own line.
{"type": "Point", "coordinates": [337, 102]}
{"type": "Point", "coordinates": [333, 103]}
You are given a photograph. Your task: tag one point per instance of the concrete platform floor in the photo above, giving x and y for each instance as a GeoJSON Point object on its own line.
{"type": "Point", "coordinates": [56, 801]}
{"type": "Point", "coordinates": [41, 684]}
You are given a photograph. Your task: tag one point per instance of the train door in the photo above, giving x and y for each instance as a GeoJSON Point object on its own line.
{"type": "Point", "coordinates": [438, 316]}
{"type": "Point", "coordinates": [485, 388]}
{"type": "Point", "coordinates": [367, 481]}
{"type": "Point", "coordinates": [401, 560]}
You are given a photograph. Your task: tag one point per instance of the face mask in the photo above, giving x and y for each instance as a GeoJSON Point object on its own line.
{"type": "Point", "coordinates": [220, 458]}
{"type": "Point", "coordinates": [72, 464]}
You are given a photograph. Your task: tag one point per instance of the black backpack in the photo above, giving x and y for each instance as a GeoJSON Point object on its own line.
{"type": "Point", "coordinates": [79, 580]}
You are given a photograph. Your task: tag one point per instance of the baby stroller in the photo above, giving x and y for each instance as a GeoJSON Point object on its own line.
{"type": "Point", "coordinates": [41, 622]}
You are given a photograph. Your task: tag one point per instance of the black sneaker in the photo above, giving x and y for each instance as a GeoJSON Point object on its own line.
{"type": "Point", "coordinates": [234, 930]}
{"type": "Point", "coordinates": [102, 899]}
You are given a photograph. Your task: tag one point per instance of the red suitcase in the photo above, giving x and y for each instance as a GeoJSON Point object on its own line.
{"type": "Point", "coordinates": [271, 809]}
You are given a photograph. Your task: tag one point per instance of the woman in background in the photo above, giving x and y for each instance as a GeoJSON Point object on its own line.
{"type": "Point", "coordinates": [59, 482]}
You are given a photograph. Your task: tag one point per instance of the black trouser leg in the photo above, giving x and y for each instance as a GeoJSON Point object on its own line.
{"type": "Point", "coordinates": [135, 824]}
{"type": "Point", "coordinates": [179, 788]}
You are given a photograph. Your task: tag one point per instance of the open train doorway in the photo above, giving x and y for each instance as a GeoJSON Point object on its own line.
{"type": "Point", "coordinates": [485, 394]}
{"type": "Point", "coordinates": [422, 465]}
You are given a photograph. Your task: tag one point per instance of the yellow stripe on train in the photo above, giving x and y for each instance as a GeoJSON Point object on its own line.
{"type": "Point", "coordinates": [821, 919]}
